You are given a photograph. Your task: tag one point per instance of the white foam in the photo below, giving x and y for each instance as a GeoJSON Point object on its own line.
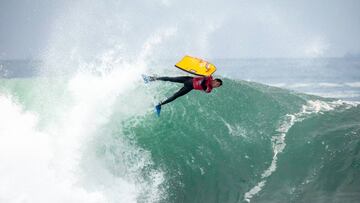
{"type": "Point", "coordinates": [254, 191]}
{"type": "Point", "coordinates": [235, 130]}
{"type": "Point", "coordinates": [26, 155]}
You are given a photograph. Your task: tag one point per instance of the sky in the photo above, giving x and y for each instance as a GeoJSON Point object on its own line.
{"type": "Point", "coordinates": [218, 29]}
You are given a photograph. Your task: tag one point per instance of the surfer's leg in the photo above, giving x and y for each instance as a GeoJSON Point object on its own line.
{"type": "Point", "coordinates": [184, 90]}
{"type": "Point", "coordinates": [181, 79]}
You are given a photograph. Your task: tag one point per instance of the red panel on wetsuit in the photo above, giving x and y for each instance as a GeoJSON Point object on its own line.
{"type": "Point", "coordinates": [197, 83]}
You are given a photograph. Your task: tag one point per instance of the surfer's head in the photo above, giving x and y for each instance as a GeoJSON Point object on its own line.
{"type": "Point", "coordinates": [216, 83]}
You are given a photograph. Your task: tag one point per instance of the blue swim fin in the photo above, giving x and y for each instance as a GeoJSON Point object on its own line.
{"type": "Point", "coordinates": [158, 109]}
{"type": "Point", "coordinates": [146, 78]}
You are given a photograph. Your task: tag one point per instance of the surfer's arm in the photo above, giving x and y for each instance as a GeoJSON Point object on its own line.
{"type": "Point", "coordinates": [203, 84]}
{"type": "Point", "coordinates": [206, 84]}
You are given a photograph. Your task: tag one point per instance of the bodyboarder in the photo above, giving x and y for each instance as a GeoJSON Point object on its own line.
{"type": "Point", "coordinates": [205, 84]}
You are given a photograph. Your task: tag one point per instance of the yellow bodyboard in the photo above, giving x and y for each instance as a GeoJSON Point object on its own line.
{"type": "Point", "coordinates": [196, 66]}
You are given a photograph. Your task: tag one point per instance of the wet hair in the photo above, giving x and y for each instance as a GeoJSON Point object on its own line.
{"type": "Point", "coordinates": [220, 81]}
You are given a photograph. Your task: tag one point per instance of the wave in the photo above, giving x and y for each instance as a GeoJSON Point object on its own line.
{"type": "Point", "coordinates": [241, 143]}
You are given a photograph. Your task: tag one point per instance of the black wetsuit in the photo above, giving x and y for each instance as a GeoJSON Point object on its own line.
{"type": "Point", "coordinates": [188, 86]}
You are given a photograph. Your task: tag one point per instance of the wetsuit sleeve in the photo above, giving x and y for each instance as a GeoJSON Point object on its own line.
{"type": "Point", "coordinates": [203, 83]}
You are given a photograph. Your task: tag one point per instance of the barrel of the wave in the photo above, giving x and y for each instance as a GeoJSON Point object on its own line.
{"type": "Point", "coordinates": [196, 66]}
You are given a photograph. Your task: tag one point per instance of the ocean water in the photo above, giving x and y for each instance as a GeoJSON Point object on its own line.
{"type": "Point", "coordinates": [93, 137]}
